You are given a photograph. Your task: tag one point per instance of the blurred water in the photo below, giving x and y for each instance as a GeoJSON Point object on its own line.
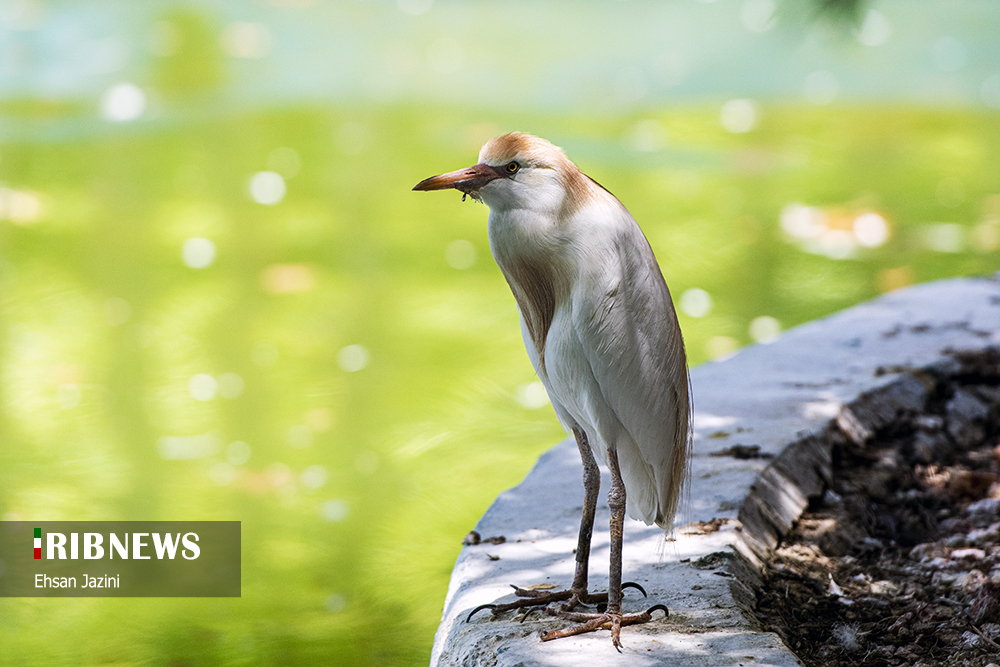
{"type": "Point", "coordinates": [603, 56]}
{"type": "Point", "coordinates": [220, 300]}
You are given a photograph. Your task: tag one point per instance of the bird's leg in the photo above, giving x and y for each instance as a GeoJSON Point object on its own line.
{"type": "Point", "coordinates": [612, 618]}
{"type": "Point", "coordinates": [591, 487]}
{"type": "Point", "coordinates": [616, 502]}
{"type": "Point", "coordinates": [577, 593]}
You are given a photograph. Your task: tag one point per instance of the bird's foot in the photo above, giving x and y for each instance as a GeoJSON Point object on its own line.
{"type": "Point", "coordinates": [607, 620]}
{"type": "Point", "coordinates": [571, 598]}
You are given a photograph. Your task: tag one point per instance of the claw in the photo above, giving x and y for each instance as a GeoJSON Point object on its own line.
{"type": "Point", "coordinates": [632, 584]}
{"type": "Point", "coordinates": [528, 610]}
{"type": "Point", "coordinates": [478, 609]}
{"type": "Point", "coordinates": [660, 607]}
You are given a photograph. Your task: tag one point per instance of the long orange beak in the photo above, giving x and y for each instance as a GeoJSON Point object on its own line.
{"type": "Point", "coordinates": [467, 180]}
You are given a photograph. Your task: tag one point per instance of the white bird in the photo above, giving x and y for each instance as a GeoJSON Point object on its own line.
{"type": "Point", "coordinates": [601, 331]}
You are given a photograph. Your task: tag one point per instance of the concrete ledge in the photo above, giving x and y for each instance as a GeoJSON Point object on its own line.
{"type": "Point", "coordinates": [842, 376]}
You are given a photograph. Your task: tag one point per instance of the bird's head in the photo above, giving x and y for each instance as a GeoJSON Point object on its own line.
{"type": "Point", "coordinates": [516, 171]}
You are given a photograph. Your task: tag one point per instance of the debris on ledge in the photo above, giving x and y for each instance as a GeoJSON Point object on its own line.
{"type": "Point", "coordinates": [898, 563]}
{"type": "Point", "coordinates": [761, 450]}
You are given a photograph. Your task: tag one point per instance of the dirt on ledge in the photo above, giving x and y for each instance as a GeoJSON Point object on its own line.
{"type": "Point", "coordinates": [899, 562]}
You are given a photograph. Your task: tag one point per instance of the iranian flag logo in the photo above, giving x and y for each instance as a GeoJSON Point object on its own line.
{"type": "Point", "coordinates": [38, 543]}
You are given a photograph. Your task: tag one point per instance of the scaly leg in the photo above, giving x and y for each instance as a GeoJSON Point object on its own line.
{"type": "Point", "coordinates": [577, 593]}
{"type": "Point", "coordinates": [616, 501]}
{"type": "Point", "coordinates": [612, 618]}
{"type": "Point", "coordinates": [591, 487]}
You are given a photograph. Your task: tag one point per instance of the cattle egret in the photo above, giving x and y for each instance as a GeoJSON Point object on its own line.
{"type": "Point", "coordinates": [602, 334]}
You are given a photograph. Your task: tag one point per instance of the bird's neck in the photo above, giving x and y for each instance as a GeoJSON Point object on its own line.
{"type": "Point", "coordinates": [528, 248]}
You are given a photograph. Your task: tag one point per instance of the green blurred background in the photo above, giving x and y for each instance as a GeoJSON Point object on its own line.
{"type": "Point", "coordinates": [220, 300]}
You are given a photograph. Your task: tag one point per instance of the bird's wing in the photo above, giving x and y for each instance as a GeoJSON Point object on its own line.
{"type": "Point", "coordinates": [628, 329]}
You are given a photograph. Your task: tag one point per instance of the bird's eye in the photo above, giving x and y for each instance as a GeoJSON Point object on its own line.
{"type": "Point", "coordinates": [512, 167]}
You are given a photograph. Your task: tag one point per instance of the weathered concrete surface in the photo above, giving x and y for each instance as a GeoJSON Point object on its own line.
{"type": "Point", "coordinates": [785, 398]}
